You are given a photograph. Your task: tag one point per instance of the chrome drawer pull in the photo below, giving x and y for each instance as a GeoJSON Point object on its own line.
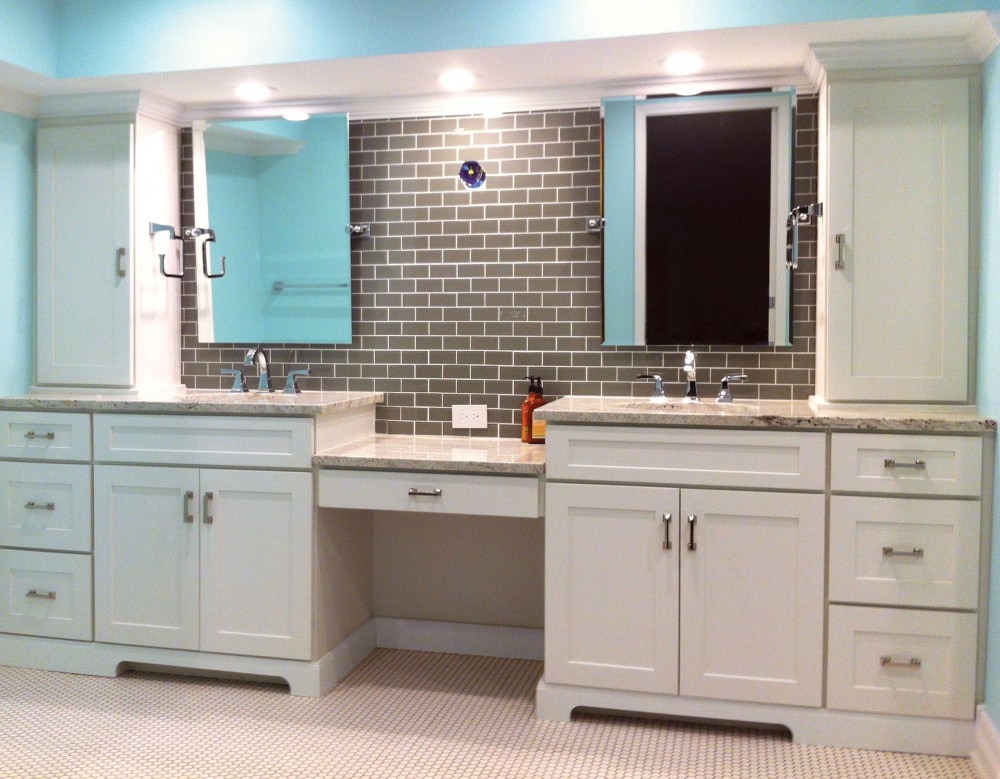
{"type": "Point", "coordinates": [209, 519]}
{"type": "Point", "coordinates": [31, 435]}
{"type": "Point", "coordinates": [666, 531]}
{"type": "Point", "coordinates": [435, 493]}
{"type": "Point", "coordinates": [887, 662]}
{"type": "Point", "coordinates": [43, 506]}
{"type": "Point", "coordinates": [888, 551]}
{"type": "Point", "coordinates": [692, 520]}
{"type": "Point", "coordinates": [188, 497]}
{"type": "Point", "coordinates": [916, 464]}
{"type": "Point", "coordinates": [41, 595]}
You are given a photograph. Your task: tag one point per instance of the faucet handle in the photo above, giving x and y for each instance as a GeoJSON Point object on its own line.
{"type": "Point", "coordinates": [292, 383]}
{"type": "Point", "coordinates": [657, 383]}
{"type": "Point", "coordinates": [725, 396]}
{"type": "Point", "coordinates": [239, 380]}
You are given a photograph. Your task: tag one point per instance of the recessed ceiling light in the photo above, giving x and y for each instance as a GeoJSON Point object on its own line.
{"type": "Point", "coordinates": [687, 90]}
{"type": "Point", "coordinates": [683, 63]}
{"type": "Point", "coordinates": [254, 91]}
{"type": "Point", "coordinates": [457, 79]}
{"type": "Point", "coordinates": [295, 116]}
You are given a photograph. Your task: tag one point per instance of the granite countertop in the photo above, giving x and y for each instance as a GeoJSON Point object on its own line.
{"type": "Point", "coordinates": [774, 414]}
{"type": "Point", "coordinates": [497, 456]}
{"type": "Point", "coordinates": [303, 404]}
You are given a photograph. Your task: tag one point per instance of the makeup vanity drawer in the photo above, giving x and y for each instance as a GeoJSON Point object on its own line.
{"type": "Point", "coordinates": [901, 661]}
{"type": "Point", "coordinates": [46, 594]}
{"type": "Point", "coordinates": [906, 464]}
{"type": "Point", "coordinates": [438, 493]}
{"type": "Point", "coordinates": [904, 551]}
{"type": "Point", "coordinates": [45, 506]}
{"type": "Point", "coordinates": [43, 435]}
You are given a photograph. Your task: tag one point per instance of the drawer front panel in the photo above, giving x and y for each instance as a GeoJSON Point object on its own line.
{"type": "Point", "coordinates": [903, 464]}
{"type": "Point", "coordinates": [900, 661]}
{"type": "Point", "coordinates": [720, 458]}
{"type": "Point", "coordinates": [257, 442]}
{"type": "Point", "coordinates": [38, 435]}
{"type": "Point", "coordinates": [45, 506]}
{"type": "Point", "coordinates": [446, 493]}
{"type": "Point", "coordinates": [45, 594]}
{"type": "Point", "coordinates": [904, 551]}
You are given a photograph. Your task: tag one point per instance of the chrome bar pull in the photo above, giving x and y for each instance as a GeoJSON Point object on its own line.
{"type": "Point", "coordinates": [918, 465]}
{"type": "Point", "coordinates": [121, 261]}
{"type": "Point", "coordinates": [209, 519]}
{"type": "Point", "coordinates": [886, 661]}
{"type": "Point", "coordinates": [435, 493]}
{"type": "Point", "coordinates": [666, 531]}
{"type": "Point", "coordinates": [40, 595]}
{"type": "Point", "coordinates": [841, 239]}
{"type": "Point", "coordinates": [188, 497]}
{"type": "Point", "coordinates": [42, 506]}
{"type": "Point", "coordinates": [692, 520]}
{"type": "Point", "coordinates": [31, 435]}
{"type": "Point", "coordinates": [888, 551]}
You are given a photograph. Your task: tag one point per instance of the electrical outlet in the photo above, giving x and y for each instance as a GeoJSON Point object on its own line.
{"type": "Point", "coordinates": [468, 417]}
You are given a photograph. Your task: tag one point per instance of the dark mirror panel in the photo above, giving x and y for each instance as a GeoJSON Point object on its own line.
{"type": "Point", "coordinates": [708, 205]}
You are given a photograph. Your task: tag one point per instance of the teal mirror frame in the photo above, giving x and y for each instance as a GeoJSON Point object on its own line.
{"type": "Point", "coordinates": [621, 193]}
{"type": "Point", "coordinates": [277, 195]}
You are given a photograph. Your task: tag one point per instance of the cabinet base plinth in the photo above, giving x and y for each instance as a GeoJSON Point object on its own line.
{"type": "Point", "coordinates": [822, 727]}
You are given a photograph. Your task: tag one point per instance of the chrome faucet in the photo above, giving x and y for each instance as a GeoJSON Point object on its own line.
{"type": "Point", "coordinates": [691, 396]}
{"type": "Point", "coordinates": [725, 396]}
{"type": "Point", "coordinates": [657, 396]}
{"type": "Point", "coordinates": [258, 357]}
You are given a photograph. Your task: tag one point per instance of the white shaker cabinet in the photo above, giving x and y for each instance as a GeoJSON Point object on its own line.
{"type": "Point", "coordinates": [895, 240]}
{"type": "Point", "coordinates": [106, 317]}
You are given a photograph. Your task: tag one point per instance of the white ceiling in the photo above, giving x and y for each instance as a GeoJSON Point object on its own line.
{"type": "Point", "coordinates": [516, 76]}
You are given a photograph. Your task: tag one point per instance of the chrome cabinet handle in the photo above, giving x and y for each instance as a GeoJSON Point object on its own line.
{"type": "Point", "coordinates": [31, 435]}
{"type": "Point", "coordinates": [209, 519]}
{"type": "Point", "coordinates": [841, 239]}
{"type": "Point", "coordinates": [188, 497]}
{"type": "Point", "coordinates": [666, 531]}
{"type": "Point", "coordinates": [435, 493]}
{"type": "Point", "coordinates": [41, 506]}
{"type": "Point", "coordinates": [886, 661]}
{"type": "Point", "coordinates": [121, 260]}
{"type": "Point", "coordinates": [692, 520]}
{"type": "Point", "coordinates": [916, 464]}
{"type": "Point", "coordinates": [888, 551]}
{"type": "Point", "coordinates": [40, 595]}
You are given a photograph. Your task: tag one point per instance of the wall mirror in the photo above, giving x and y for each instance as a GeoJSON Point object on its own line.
{"type": "Point", "coordinates": [275, 194]}
{"type": "Point", "coordinates": [695, 193]}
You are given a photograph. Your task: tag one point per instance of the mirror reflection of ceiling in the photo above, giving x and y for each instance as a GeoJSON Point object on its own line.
{"type": "Point", "coordinates": [344, 55]}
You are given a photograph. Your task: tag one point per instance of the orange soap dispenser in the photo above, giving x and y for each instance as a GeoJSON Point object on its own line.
{"type": "Point", "coordinates": [532, 430]}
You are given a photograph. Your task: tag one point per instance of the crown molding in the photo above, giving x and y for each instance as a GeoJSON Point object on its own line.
{"type": "Point", "coordinates": [109, 104]}
{"type": "Point", "coordinates": [14, 102]}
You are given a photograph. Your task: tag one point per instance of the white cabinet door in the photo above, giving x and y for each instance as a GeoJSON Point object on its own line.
{"type": "Point", "coordinates": [752, 596]}
{"type": "Point", "coordinates": [256, 563]}
{"type": "Point", "coordinates": [146, 540]}
{"type": "Point", "coordinates": [896, 279]}
{"type": "Point", "coordinates": [84, 255]}
{"type": "Point", "coordinates": [611, 598]}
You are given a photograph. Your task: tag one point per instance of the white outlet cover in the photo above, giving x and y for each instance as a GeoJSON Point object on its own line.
{"type": "Point", "coordinates": [468, 417]}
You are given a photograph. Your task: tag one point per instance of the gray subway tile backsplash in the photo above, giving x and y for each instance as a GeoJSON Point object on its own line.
{"type": "Point", "coordinates": [458, 294]}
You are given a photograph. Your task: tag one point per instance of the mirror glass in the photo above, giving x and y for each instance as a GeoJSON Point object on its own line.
{"type": "Point", "coordinates": [696, 193]}
{"type": "Point", "coordinates": [275, 194]}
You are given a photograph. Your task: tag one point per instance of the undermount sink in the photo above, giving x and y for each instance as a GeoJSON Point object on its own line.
{"type": "Point", "coordinates": [679, 405]}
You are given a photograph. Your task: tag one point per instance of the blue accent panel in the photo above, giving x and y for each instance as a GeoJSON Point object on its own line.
{"type": "Point", "coordinates": [618, 195]}
{"type": "Point", "coordinates": [17, 253]}
{"type": "Point", "coordinates": [987, 385]}
{"type": "Point", "coordinates": [106, 37]}
{"type": "Point", "coordinates": [282, 218]}
{"type": "Point", "coordinates": [28, 35]}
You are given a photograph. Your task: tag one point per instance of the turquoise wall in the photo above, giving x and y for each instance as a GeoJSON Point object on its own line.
{"type": "Point", "coordinates": [71, 38]}
{"type": "Point", "coordinates": [989, 344]}
{"type": "Point", "coordinates": [17, 253]}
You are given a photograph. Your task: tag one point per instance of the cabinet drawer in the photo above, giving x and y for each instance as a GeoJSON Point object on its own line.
{"type": "Point", "coordinates": [901, 661]}
{"type": "Point", "coordinates": [904, 551]}
{"type": "Point", "coordinates": [914, 464]}
{"type": "Point", "coordinates": [45, 506]}
{"type": "Point", "coordinates": [445, 493]}
{"type": "Point", "coordinates": [45, 594]}
{"type": "Point", "coordinates": [40, 435]}
{"type": "Point", "coordinates": [720, 458]}
{"type": "Point", "coordinates": [265, 442]}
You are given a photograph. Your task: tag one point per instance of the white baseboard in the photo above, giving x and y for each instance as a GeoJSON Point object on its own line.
{"type": "Point", "coordinates": [986, 753]}
{"type": "Point", "coordinates": [460, 638]}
